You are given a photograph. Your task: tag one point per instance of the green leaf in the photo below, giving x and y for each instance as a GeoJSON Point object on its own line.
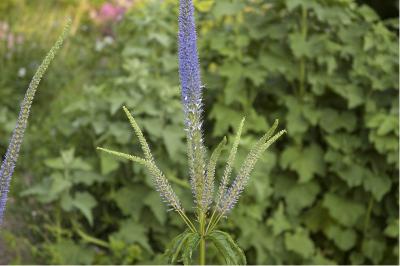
{"type": "Point", "coordinates": [301, 196]}
{"type": "Point", "coordinates": [299, 46]}
{"type": "Point", "coordinates": [86, 177]}
{"type": "Point", "coordinates": [56, 163]}
{"type": "Point", "coordinates": [379, 186]}
{"type": "Point", "coordinates": [154, 202]}
{"type": "Point", "coordinates": [300, 243]}
{"type": "Point", "coordinates": [68, 156]}
{"type": "Point", "coordinates": [175, 247]}
{"type": "Point", "coordinates": [345, 211]}
{"type": "Point", "coordinates": [227, 247]}
{"type": "Point", "coordinates": [129, 199]}
{"type": "Point", "coordinates": [85, 202]}
{"type": "Point", "coordinates": [50, 189]}
{"type": "Point", "coordinates": [108, 164]}
{"type": "Point", "coordinates": [392, 229]}
{"type": "Point", "coordinates": [79, 164]}
{"type": "Point", "coordinates": [296, 122]}
{"type": "Point", "coordinates": [192, 243]}
{"type": "Point", "coordinates": [224, 8]}
{"type": "Point", "coordinates": [279, 221]}
{"type": "Point", "coordinates": [173, 140]}
{"type": "Point", "coordinates": [344, 239]}
{"type": "Point", "coordinates": [331, 120]}
{"type": "Point", "coordinates": [307, 161]}
{"type": "Point", "coordinates": [225, 118]}
{"type": "Point", "coordinates": [374, 249]}
{"type": "Point", "coordinates": [133, 232]}
{"type": "Point", "coordinates": [203, 6]}
{"type": "Point", "coordinates": [68, 252]}
{"type": "Point", "coordinates": [320, 259]}
{"type": "Point", "coordinates": [357, 258]}
{"type": "Point", "coordinates": [353, 174]}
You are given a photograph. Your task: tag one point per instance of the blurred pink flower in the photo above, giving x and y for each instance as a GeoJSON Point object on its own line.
{"type": "Point", "coordinates": [111, 11]}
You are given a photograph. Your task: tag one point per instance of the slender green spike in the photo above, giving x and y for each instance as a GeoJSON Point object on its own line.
{"type": "Point", "coordinates": [160, 181]}
{"type": "Point", "coordinates": [231, 160]}
{"type": "Point", "coordinates": [208, 191]}
{"type": "Point", "coordinates": [139, 134]}
{"type": "Point", "coordinates": [125, 156]}
{"type": "Point", "coordinates": [270, 132]}
{"type": "Point", "coordinates": [7, 166]}
{"type": "Point", "coordinates": [273, 139]}
{"type": "Point", "coordinates": [233, 193]}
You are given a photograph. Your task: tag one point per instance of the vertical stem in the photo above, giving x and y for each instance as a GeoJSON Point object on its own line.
{"type": "Point", "coordinates": [202, 260]}
{"type": "Point", "coordinates": [368, 215]}
{"type": "Point", "coordinates": [302, 71]}
{"type": "Point", "coordinates": [58, 225]}
{"type": "Point", "coordinates": [202, 247]}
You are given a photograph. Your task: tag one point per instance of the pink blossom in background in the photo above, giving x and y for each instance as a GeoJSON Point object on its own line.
{"type": "Point", "coordinates": [111, 11]}
{"type": "Point", "coordinates": [9, 38]}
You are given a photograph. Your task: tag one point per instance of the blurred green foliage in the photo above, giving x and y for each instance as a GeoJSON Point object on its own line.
{"type": "Point", "coordinates": [326, 194]}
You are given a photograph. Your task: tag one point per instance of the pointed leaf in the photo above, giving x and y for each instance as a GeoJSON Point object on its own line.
{"type": "Point", "coordinates": [176, 246]}
{"type": "Point", "coordinates": [191, 245]}
{"type": "Point", "coordinates": [228, 248]}
{"type": "Point", "coordinates": [85, 202]}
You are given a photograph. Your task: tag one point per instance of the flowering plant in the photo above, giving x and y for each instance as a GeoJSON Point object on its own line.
{"type": "Point", "coordinates": [11, 156]}
{"type": "Point", "coordinates": [202, 172]}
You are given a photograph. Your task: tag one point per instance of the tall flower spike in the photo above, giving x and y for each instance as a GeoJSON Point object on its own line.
{"type": "Point", "coordinates": [189, 73]}
{"type": "Point", "coordinates": [10, 159]}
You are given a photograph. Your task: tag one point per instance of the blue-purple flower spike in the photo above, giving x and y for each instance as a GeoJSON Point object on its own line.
{"type": "Point", "coordinates": [10, 159]}
{"type": "Point", "coordinates": [191, 86]}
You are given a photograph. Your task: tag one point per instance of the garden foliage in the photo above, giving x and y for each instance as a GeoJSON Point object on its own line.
{"type": "Point", "coordinates": [328, 193]}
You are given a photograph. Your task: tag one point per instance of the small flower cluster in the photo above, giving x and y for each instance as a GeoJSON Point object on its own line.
{"type": "Point", "coordinates": [11, 157]}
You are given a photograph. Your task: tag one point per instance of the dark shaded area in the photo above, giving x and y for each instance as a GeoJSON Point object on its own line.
{"type": "Point", "coordinates": [385, 8]}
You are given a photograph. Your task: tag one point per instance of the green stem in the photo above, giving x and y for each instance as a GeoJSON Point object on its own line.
{"type": "Point", "coordinates": [202, 247]}
{"type": "Point", "coordinates": [302, 71]}
{"type": "Point", "coordinates": [179, 182]}
{"type": "Point", "coordinates": [211, 220]}
{"type": "Point", "coordinates": [58, 225]}
{"type": "Point", "coordinates": [90, 239]}
{"type": "Point", "coordinates": [187, 221]}
{"type": "Point", "coordinates": [202, 260]}
{"type": "Point", "coordinates": [216, 222]}
{"type": "Point", "coordinates": [368, 215]}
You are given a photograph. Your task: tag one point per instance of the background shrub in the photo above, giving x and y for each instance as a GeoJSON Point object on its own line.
{"type": "Point", "coordinates": [326, 194]}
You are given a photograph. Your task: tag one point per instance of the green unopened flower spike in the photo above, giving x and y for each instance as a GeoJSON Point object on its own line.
{"type": "Point", "coordinates": [11, 157]}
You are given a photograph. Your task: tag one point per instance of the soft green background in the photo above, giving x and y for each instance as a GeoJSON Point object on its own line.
{"type": "Point", "coordinates": [326, 193]}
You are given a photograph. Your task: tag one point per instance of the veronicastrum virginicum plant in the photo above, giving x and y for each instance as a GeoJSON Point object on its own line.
{"type": "Point", "coordinates": [210, 208]}
{"type": "Point", "coordinates": [12, 153]}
